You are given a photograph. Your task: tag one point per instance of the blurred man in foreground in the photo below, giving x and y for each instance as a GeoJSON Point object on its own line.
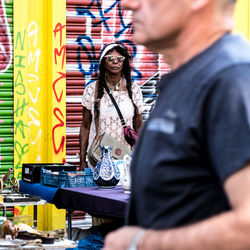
{"type": "Point", "coordinates": [191, 168]}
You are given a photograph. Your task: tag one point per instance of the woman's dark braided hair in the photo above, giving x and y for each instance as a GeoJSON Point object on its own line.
{"type": "Point", "coordinates": [126, 73]}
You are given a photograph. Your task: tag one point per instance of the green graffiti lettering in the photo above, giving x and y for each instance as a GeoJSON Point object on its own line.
{"type": "Point", "coordinates": [18, 38]}
{"type": "Point", "coordinates": [19, 64]}
{"type": "Point", "coordinates": [18, 107]}
{"type": "Point", "coordinates": [19, 177]}
{"type": "Point", "coordinates": [18, 165]}
{"type": "Point", "coordinates": [19, 83]}
{"type": "Point", "coordinates": [21, 151]}
{"type": "Point", "coordinates": [20, 126]}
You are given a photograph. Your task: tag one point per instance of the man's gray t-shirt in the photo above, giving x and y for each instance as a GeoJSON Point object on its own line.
{"type": "Point", "coordinates": [196, 137]}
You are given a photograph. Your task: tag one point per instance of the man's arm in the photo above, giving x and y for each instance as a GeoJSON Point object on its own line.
{"type": "Point", "coordinates": [227, 231]}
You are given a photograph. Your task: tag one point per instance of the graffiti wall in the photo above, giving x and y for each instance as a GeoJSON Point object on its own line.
{"type": "Point", "coordinates": [40, 92]}
{"type": "Point", "coordinates": [28, 90]}
{"type": "Point", "coordinates": [6, 85]}
{"type": "Point", "coordinates": [39, 83]}
{"type": "Point", "coordinates": [90, 25]}
{"type": "Point", "coordinates": [57, 122]}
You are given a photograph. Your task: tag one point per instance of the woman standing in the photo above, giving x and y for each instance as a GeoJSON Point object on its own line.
{"type": "Point", "coordinates": [115, 72]}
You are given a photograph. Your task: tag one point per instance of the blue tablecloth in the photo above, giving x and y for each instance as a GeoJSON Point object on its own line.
{"type": "Point", "coordinates": [45, 192]}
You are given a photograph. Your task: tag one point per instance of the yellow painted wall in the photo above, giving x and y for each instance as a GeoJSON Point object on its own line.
{"type": "Point", "coordinates": [40, 92]}
{"type": "Point", "coordinates": [40, 82]}
{"type": "Point", "coordinates": [29, 98]}
{"type": "Point", "coordinates": [242, 18]}
{"type": "Point", "coordinates": [56, 90]}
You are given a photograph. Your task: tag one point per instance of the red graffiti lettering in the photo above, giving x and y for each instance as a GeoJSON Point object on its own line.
{"type": "Point", "coordinates": [54, 86]}
{"type": "Point", "coordinates": [58, 53]}
{"type": "Point", "coordinates": [58, 125]}
{"type": "Point", "coordinates": [59, 27]}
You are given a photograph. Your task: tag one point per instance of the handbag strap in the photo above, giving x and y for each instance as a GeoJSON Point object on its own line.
{"type": "Point", "coordinates": [115, 104]}
{"type": "Point", "coordinates": [96, 102]}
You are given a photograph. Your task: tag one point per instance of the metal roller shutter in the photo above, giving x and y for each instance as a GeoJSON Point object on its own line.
{"type": "Point", "coordinates": [6, 88]}
{"type": "Point", "coordinates": [90, 25]}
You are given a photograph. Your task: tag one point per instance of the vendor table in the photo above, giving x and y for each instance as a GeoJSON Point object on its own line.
{"type": "Point", "coordinates": [17, 244]}
{"type": "Point", "coordinates": [26, 201]}
{"type": "Point", "coordinates": [92, 200]}
{"type": "Point", "coordinates": [95, 201]}
{"type": "Point", "coordinates": [45, 192]}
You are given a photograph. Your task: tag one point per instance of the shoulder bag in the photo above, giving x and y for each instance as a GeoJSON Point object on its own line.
{"type": "Point", "coordinates": [130, 135]}
{"type": "Point", "coordinates": [94, 151]}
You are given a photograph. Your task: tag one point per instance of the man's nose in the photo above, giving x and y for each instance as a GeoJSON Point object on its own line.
{"type": "Point", "coordinates": [130, 4]}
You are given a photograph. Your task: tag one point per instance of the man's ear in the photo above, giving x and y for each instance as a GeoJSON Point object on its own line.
{"type": "Point", "coordinates": [199, 4]}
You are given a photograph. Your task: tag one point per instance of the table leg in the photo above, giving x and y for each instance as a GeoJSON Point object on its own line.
{"type": "Point", "coordinates": [70, 223]}
{"type": "Point", "coordinates": [35, 216]}
{"type": "Point", "coordinates": [4, 211]}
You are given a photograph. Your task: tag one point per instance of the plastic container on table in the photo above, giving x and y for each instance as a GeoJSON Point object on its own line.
{"type": "Point", "coordinates": [64, 179]}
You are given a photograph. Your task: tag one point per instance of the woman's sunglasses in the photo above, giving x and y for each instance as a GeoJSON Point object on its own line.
{"type": "Point", "coordinates": [112, 58]}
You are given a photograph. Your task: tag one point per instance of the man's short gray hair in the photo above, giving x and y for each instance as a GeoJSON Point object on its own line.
{"type": "Point", "coordinates": [230, 1]}
{"type": "Point", "coordinates": [226, 2]}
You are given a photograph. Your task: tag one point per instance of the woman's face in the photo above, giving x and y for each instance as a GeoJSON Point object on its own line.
{"type": "Point", "coordinates": [114, 63]}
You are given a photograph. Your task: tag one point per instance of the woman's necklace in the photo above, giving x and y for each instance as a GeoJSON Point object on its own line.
{"type": "Point", "coordinates": [114, 87]}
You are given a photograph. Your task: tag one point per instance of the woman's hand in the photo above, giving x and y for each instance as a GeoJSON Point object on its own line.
{"type": "Point", "coordinates": [83, 164]}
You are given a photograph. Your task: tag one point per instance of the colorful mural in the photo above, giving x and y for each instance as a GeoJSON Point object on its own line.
{"type": "Point", "coordinates": [40, 93]}
{"type": "Point", "coordinates": [28, 99]}
{"type": "Point", "coordinates": [39, 83]}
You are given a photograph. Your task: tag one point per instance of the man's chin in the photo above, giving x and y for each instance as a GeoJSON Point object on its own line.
{"type": "Point", "coordinates": [141, 39]}
{"type": "Point", "coordinates": [148, 43]}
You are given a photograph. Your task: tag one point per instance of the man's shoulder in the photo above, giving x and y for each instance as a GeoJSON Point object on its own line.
{"type": "Point", "coordinates": [231, 61]}
{"type": "Point", "coordinates": [228, 52]}
{"type": "Point", "coordinates": [232, 49]}
{"type": "Point", "coordinates": [233, 79]}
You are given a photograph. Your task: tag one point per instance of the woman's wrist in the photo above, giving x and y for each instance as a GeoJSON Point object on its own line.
{"type": "Point", "coordinates": [83, 153]}
{"type": "Point", "coordinates": [83, 157]}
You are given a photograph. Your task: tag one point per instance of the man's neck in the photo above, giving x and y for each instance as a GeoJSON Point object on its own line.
{"type": "Point", "coordinates": [198, 35]}
{"type": "Point", "coordinates": [188, 49]}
